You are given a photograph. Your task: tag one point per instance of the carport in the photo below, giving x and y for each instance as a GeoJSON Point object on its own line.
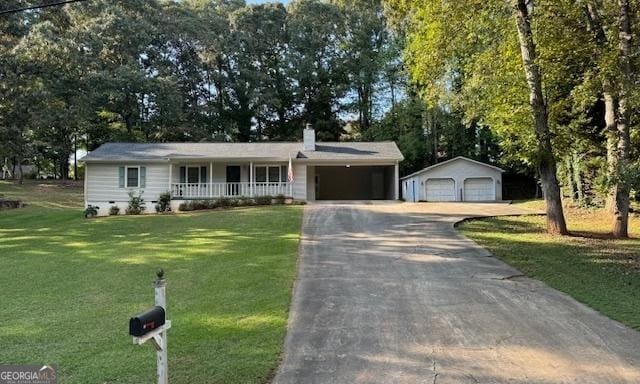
{"type": "Point", "coordinates": [354, 182]}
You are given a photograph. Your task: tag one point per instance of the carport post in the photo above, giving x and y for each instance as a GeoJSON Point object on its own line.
{"type": "Point", "coordinates": [396, 182]}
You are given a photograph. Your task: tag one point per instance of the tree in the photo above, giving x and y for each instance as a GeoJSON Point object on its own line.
{"type": "Point", "coordinates": [546, 161]}
{"type": "Point", "coordinates": [613, 61]}
{"type": "Point", "coordinates": [473, 65]}
{"type": "Point", "coordinates": [316, 32]}
{"type": "Point", "coordinates": [366, 43]}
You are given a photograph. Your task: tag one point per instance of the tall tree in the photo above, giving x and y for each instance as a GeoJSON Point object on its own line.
{"type": "Point", "coordinates": [546, 162]}
{"type": "Point", "coordinates": [317, 30]}
{"type": "Point", "coordinates": [366, 43]}
{"type": "Point", "coordinates": [623, 187]}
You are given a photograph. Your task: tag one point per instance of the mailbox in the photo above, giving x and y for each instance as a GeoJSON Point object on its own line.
{"type": "Point", "coordinates": [146, 322]}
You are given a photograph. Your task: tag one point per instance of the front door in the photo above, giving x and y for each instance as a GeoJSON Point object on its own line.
{"type": "Point", "coordinates": [233, 180]}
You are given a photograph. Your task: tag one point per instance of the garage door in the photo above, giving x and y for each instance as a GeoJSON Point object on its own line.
{"type": "Point", "coordinates": [441, 190]}
{"type": "Point", "coordinates": [479, 189]}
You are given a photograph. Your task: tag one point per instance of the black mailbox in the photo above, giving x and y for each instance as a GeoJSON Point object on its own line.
{"type": "Point", "coordinates": [146, 322]}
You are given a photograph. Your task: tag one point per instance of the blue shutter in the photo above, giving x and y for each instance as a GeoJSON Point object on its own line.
{"type": "Point", "coordinates": [143, 177]}
{"type": "Point", "coordinates": [183, 174]}
{"type": "Point", "coordinates": [121, 177]}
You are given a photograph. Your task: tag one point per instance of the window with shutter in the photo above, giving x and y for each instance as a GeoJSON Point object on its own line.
{"type": "Point", "coordinates": [132, 177]}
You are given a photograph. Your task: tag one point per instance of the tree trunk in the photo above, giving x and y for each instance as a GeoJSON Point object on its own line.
{"type": "Point", "coordinates": [577, 177]}
{"type": "Point", "coordinates": [392, 88]}
{"type": "Point", "coordinates": [569, 175]}
{"type": "Point", "coordinates": [610, 103]}
{"type": "Point", "coordinates": [75, 158]}
{"type": "Point", "coordinates": [434, 134]}
{"type": "Point", "coordinates": [622, 190]}
{"type": "Point", "coordinates": [546, 162]}
{"type": "Point", "coordinates": [611, 133]}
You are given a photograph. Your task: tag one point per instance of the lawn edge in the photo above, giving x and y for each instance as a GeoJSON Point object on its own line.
{"type": "Point", "coordinates": [273, 372]}
{"type": "Point", "coordinates": [525, 275]}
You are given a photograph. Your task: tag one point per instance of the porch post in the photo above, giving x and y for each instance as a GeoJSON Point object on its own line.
{"type": "Point", "coordinates": [251, 178]}
{"type": "Point", "coordinates": [170, 178]}
{"type": "Point", "coordinates": [211, 179]}
{"type": "Point", "coordinates": [396, 182]}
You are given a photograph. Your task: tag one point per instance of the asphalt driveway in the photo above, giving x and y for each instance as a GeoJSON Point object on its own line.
{"type": "Point", "coordinates": [391, 293]}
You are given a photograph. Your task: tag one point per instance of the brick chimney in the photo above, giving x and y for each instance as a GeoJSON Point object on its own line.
{"type": "Point", "coordinates": [309, 138]}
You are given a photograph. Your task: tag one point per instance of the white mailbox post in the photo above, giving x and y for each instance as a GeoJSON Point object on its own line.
{"type": "Point", "coordinates": [158, 336]}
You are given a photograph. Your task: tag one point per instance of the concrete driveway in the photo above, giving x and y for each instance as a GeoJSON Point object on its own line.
{"type": "Point", "coordinates": [391, 293]}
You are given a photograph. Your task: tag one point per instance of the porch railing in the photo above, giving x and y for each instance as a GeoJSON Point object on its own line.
{"type": "Point", "coordinates": [214, 190]}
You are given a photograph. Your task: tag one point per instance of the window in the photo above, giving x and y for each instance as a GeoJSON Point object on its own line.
{"type": "Point", "coordinates": [133, 174]}
{"type": "Point", "coordinates": [274, 174]}
{"type": "Point", "coordinates": [271, 174]}
{"type": "Point", "coordinates": [261, 174]}
{"type": "Point", "coordinates": [193, 175]}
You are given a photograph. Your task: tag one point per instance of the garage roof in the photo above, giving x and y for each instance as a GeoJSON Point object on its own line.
{"type": "Point", "coordinates": [386, 150]}
{"type": "Point", "coordinates": [451, 161]}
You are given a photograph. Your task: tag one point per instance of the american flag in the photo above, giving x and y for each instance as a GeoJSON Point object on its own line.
{"type": "Point", "coordinates": [290, 172]}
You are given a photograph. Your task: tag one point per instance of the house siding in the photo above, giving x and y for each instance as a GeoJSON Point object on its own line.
{"type": "Point", "coordinates": [102, 185]}
{"type": "Point", "coordinates": [299, 181]}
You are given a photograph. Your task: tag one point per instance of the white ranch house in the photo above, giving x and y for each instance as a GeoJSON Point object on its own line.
{"type": "Point", "coordinates": [322, 171]}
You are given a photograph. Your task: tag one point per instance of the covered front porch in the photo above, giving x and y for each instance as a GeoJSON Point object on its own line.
{"type": "Point", "coordinates": [205, 180]}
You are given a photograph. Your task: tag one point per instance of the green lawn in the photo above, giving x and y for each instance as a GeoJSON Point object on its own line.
{"type": "Point", "coordinates": [69, 286]}
{"type": "Point", "coordinates": [596, 270]}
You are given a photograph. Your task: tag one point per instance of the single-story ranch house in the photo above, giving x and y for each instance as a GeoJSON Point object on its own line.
{"type": "Point", "coordinates": [305, 171]}
{"type": "Point", "coordinates": [458, 179]}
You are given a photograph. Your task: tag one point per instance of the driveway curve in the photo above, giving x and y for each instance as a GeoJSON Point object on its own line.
{"type": "Point", "coordinates": [392, 293]}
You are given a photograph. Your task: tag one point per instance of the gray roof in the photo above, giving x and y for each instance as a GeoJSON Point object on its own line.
{"type": "Point", "coordinates": [385, 150]}
{"type": "Point", "coordinates": [451, 161]}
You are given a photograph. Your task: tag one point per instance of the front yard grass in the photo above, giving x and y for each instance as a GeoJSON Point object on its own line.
{"type": "Point", "coordinates": [69, 286]}
{"type": "Point", "coordinates": [601, 272]}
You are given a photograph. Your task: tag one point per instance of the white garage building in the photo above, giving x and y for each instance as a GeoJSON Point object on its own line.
{"type": "Point", "coordinates": [458, 179]}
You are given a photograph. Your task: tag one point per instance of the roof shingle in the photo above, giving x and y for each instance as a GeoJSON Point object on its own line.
{"type": "Point", "coordinates": [276, 150]}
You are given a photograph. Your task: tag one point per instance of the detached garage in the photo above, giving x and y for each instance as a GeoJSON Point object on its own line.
{"type": "Point", "coordinates": [459, 179]}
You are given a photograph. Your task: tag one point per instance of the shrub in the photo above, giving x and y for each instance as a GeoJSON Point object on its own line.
{"type": "Point", "coordinates": [224, 202]}
{"type": "Point", "coordinates": [263, 200]}
{"type": "Point", "coordinates": [279, 199]}
{"type": "Point", "coordinates": [91, 211]}
{"type": "Point", "coordinates": [245, 201]}
{"type": "Point", "coordinates": [164, 203]}
{"type": "Point", "coordinates": [114, 210]}
{"type": "Point", "coordinates": [10, 204]}
{"type": "Point", "coordinates": [136, 204]}
{"type": "Point", "coordinates": [183, 207]}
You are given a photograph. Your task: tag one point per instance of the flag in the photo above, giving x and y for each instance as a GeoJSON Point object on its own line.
{"type": "Point", "coordinates": [290, 172]}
